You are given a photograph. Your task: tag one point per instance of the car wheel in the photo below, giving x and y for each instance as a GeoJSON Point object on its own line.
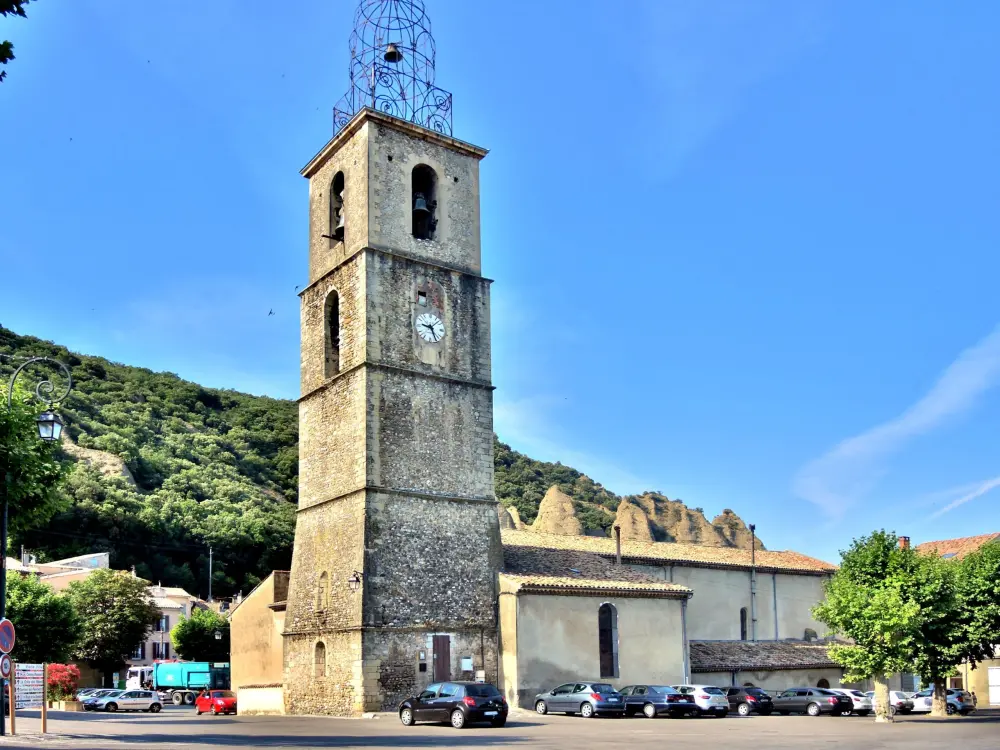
{"type": "Point", "coordinates": [111, 707]}
{"type": "Point", "coordinates": [541, 708]}
{"type": "Point", "coordinates": [189, 698]}
{"type": "Point", "coordinates": [215, 710]}
{"type": "Point", "coordinates": [406, 717]}
{"type": "Point", "coordinates": [586, 710]}
{"type": "Point", "coordinates": [813, 709]}
{"type": "Point", "coordinates": [649, 711]}
{"type": "Point", "coordinates": [457, 719]}
{"type": "Point", "coordinates": [949, 709]}
{"type": "Point", "coordinates": [498, 723]}
{"type": "Point", "coordinates": [863, 713]}
{"type": "Point", "coordinates": [177, 699]}
{"type": "Point", "coordinates": [198, 712]}
{"type": "Point", "coordinates": [892, 710]}
{"type": "Point", "coordinates": [743, 709]}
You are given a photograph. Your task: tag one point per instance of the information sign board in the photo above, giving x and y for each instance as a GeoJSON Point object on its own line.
{"type": "Point", "coordinates": [29, 690]}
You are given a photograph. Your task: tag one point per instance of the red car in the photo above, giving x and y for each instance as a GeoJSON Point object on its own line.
{"type": "Point", "coordinates": [216, 701]}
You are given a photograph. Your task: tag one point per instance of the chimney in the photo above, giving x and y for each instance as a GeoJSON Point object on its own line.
{"type": "Point", "coordinates": [904, 542]}
{"type": "Point", "coordinates": [618, 544]}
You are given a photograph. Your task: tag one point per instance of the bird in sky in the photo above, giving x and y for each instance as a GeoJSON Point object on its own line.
{"type": "Point", "coordinates": [270, 313]}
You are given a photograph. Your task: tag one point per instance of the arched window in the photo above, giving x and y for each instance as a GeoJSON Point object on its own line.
{"type": "Point", "coordinates": [332, 317]}
{"type": "Point", "coordinates": [323, 592]}
{"type": "Point", "coordinates": [823, 683]}
{"type": "Point", "coordinates": [337, 218]}
{"type": "Point", "coordinates": [607, 639]}
{"type": "Point", "coordinates": [423, 201]}
{"type": "Point", "coordinates": [743, 624]}
{"type": "Point", "coordinates": [319, 661]}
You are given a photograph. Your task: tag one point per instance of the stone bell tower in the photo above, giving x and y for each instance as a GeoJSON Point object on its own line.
{"type": "Point", "coordinates": [397, 545]}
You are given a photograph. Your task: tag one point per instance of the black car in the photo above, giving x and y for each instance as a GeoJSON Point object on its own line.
{"type": "Point", "coordinates": [656, 700]}
{"type": "Point", "coordinates": [812, 701]}
{"type": "Point", "coordinates": [748, 700]}
{"type": "Point", "coordinates": [460, 703]}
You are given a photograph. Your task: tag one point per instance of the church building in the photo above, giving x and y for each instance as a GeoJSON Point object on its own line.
{"type": "Point", "coordinates": [400, 576]}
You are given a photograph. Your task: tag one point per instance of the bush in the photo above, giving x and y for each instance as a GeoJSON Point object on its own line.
{"type": "Point", "coordinates": [64, 679]}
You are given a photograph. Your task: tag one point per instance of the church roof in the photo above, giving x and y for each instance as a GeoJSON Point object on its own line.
{"type": "Point", "coordinates": [543, 570]}
{"type": "Point", "coordinates": [743, 656]}
{"type": "Point", "coordinates": [959, 548]}
{"type": "Point", "coordinates": [671, 553]}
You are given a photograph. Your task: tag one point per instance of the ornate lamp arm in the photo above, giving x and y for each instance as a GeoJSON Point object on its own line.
{"type": "Point", "coordinates": [45, 388]}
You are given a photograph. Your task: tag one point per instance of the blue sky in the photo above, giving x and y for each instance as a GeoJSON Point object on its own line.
{"type": "Point", "coordinates": [745, 252]}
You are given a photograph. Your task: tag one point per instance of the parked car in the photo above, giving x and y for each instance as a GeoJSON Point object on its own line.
{"type": "Point", "coordinates": [584, 698]}
{"type": "Point", "coordinates": [216, 701]}
{"type": "Point", "coordinates": [708, 699]}
{"type": "Point", "coordinates": [899, 702]}
{"type": "Point", "coordinates": [90, 701]}
{"type": "Point", "coordinates": [129, 700]}
{"type": "Point", "coordinates": [862, 704]}
{"type": "Point", "coordinates": [748, 700]}
{"type": "Point", "coordinates": [85, 692]}
{"type": "Point", "coordinates": [654, 700]}
{"type": "Point", "coordinates": [958, 702]}
{"type": "Point", "coordinates": [460, 703]}
{"type": "Point", "coordinates": [813, 701]}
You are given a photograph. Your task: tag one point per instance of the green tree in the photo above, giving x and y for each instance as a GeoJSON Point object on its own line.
{"type": "Point", "coordinates": [194, 637]}
{"type": "Point", "coordinates": [868, 601]}
{"type": "Point", "coordinates": [116, 615]}
{"type": "Point", "coordinates": [29, 467]}
{"type": "Point", "coordinates": [9, 8]}
{"type": "Point", "coordinates": [47, 624]}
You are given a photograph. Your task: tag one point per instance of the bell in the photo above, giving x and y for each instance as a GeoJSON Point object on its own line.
{"type": "Point", "coordinates": [338, 231]}
{"type": "Point", "coordinates": [392, 53]}
{"type": "Point", "coordinates": [420, 209]}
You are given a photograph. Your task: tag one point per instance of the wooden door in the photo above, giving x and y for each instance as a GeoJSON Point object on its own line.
{"type": "Point", "coordinates": [442, 658]}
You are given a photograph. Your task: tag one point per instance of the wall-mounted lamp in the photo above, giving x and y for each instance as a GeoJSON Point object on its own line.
{"type": "Point", "coordinates": [354, 580]}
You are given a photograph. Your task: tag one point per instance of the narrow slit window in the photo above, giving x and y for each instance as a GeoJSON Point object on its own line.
{"type": "Point", "coordinates": [337, 217]}
{"type": "Point", "coordinates": [319, 661]}
{"type": "Point", "coordinates": [332, 316]}
{"type": "Point", "coordinates": [322, 592]}
{"type": "Point", "coordinates": [423, 202]}
{"type": "Point", "coordinates": [607, 639]}
{"type": "Point", "coordinates": [743, 624]}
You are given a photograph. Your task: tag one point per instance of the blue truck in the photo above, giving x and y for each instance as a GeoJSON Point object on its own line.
{"type": "Point", "coordinates": [180, 680]}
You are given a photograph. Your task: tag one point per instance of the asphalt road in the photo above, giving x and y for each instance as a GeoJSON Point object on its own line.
{"type": "Point", "coordinates": [177, 728]}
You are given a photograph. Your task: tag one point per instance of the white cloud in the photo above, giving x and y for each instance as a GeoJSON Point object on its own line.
{"type": "Point", "coordinates": [978, 491]}
{"type": "Point", "coordinates": [842, 476]}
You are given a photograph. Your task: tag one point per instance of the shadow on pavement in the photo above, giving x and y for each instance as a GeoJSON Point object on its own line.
{"type": "Point", "coordinates": [459, 738]}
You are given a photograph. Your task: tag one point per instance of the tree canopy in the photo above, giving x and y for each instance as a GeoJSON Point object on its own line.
{"type": "Point", "coordinates": [9, 8]}
{"type": "Point", "coordinates": [116, 615]}
{"type": "Point", "coordinates": [47, 624]}
{"type": "Point", "coordinates": [194, 638]}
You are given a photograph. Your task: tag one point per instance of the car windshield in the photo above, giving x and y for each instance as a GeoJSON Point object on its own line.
{"type": "Point", "coordinates": [222, 694]}
{"type": "Point", "coordinates": [111, 693]}
{"type": "Point", "coordinates": [602, 687]}
{"type": "Point", "coordinates": [482, 691]}
{"type": "Point", "coordinates": [665, 689]}
{"type": "Point", "coordinates": [712, 691]}
{"type": "Point", "coordinates": [755, 691]}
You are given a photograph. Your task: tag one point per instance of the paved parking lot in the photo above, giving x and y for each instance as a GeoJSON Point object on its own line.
{"type": "Point", "coordinates": [177, 728]}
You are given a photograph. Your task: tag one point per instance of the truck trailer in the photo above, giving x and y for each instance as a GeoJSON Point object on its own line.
{"type": "Point", "coordinates": [180, 680]}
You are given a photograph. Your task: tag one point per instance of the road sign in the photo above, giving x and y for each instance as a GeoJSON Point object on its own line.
{"type": "Point", "coordinates": [5, 666]}
{"type": "Point", "coordinates": [29, 690]}
{"type": "Point", "coordinates": [6, 636]}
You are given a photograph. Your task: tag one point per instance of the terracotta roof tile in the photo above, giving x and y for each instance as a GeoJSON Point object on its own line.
{"type": "Point", "coordinates": [728, 656]}
{"type": "Point", "coordinates": [528, 568]}
{"type": "Point", "coordinates": [957, 547]}
{"type": "Point", "coordinates": [668, 552]}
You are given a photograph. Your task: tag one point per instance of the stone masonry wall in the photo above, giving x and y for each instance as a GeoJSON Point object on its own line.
{"type": "Point", "coordinates": [338, 692]}
{"type": "Point", "coordinates": [456, 240]}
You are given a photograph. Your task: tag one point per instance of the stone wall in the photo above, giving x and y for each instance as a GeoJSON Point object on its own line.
{"type": "Point", "coordinates": [334, 687]}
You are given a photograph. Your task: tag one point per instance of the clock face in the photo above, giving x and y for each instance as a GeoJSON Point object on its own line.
{"type": "Point", "coordinates": [429, 327]}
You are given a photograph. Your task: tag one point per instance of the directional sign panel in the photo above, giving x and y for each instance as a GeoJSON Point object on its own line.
{"type": "Point", "coordinates": [6, 636]}
{"type": "Point", "coordinates": [29, 690]}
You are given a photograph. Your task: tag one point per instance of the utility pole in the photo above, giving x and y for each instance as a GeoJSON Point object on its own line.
{"type": "Point", "coordinates": [210, 572]}
{"type": "Point", "coordinates": [753, 582]}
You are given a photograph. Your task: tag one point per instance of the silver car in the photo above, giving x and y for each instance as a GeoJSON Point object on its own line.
{"type": "Point", "coordinates": [708, 699]}
{"type": "Point", "coordinates": [584, 698]}
{"type": "Point", "coordinates": [129, 700]}
{"type": "Point", "coordinates": [899, 702]}
{"type": "Point", "coordinates": [958, 702]}
{"type": "Point", "coordinates": [862, 704]}
{"type": "Point", "coordinates": [90, 701]}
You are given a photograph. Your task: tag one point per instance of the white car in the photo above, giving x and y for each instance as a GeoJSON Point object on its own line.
{"type": "Point", "coordinates": [899, 702]}
{"type": "Point", "coordinates": [129, 700]}
{"type": "Point", "coordinates": [862, 704]}
{"type": "Point", "coordinates": [708, 699]}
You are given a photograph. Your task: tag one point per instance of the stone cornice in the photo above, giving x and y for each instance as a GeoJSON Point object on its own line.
{"type": "Point", "coordinates": [402, 492]}
{"type": "Point", "coordinates": [395, 368]}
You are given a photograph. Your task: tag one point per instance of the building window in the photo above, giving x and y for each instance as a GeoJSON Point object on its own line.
{"type": "Point", "coordinates": [140, 652]}
{"type": "Point", "coordinates": [331, 315]}
{"type": "Point", "coordinates": [607, 639]}
{"type": "Point", "coordinates": [743, 624]}
{"type": "Point", "coordinates": [823, 683]}
{"type": "Point", "coordinates": [337, 218]}
{"type": "Point", "coordinates": [423, 201]}
{"type": "Point", "coordinates": [319, 662]}
{"type": "Point", "coordinates": [161, 650]}
{"type": "Point", "coordinates": [322, 592]}
{"type": "Point", "coordinates": [163, 624]}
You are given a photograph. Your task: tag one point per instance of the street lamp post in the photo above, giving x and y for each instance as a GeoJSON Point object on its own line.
{"type": "Point", "coordinates": [50, 428]}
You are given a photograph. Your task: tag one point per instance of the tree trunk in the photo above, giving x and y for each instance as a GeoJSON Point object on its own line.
{"type": "Point", "coordinates": [883, 710]}
{"type": "Point", "coordinates": [939, 705]}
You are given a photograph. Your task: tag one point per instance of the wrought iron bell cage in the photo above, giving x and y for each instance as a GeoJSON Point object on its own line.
{"type": "Point", "coordinates": [392, 66]}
